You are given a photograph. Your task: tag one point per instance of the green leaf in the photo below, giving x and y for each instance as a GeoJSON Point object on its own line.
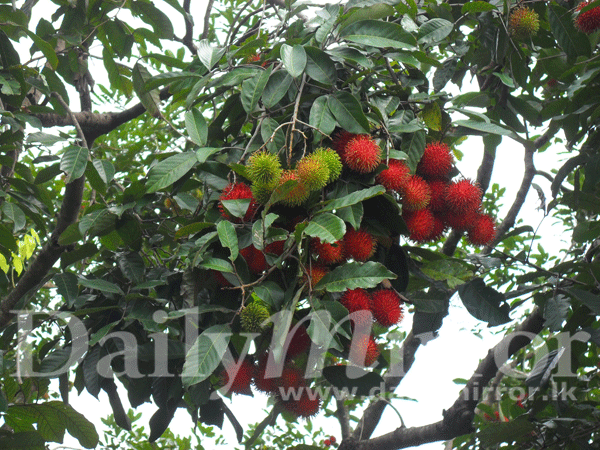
{"type": "Point", "coordinates": [294, 59]}
{"type": "Point", "coordinates": [133, 267]}
{"type": "Point", "coordinates": [14, 214]}
{"type": "Point", "coordinates": [97, 223]}
{"type": "Point", "coordinates": [67, 286]}
{"type": "Point", "coordinates": [169, 170]}
{"type": "Point", "coordinates": [208, 55]}
{"type": "Point", "coordinates": [74, 161]}
{"type": "Point", "coordinates": [228, 238]}
{"type": "Point", "coordinates": [484, 303]}
{"type": "Point", "coordinates": [205, 354]}
{"type": "Point", "coordinates": [192, 228]}
{"type": "Point", "coordinates": [354, 198]}
{"type": "Point", "coordinates": [357, 381]}
{"type": "Point", "coordinates": [320, 116]}
{"type": "Point", "coordinates": [158, 20]}
{"type": "Point", "coordinates": [355, 275]}
{"type": "Point", "coordinates": [47, 174]}
{"type": "Point", "coordinates": [477, 7]}
{"type": "Point", "coordinates": [352, 214]}
{"type": "Point", "coordinates": [235, 77]}
{"type": "Point", "coordinates": [376, 33]}
{"type": "Point", "coordinates": [556, 312]}
{"type": "Point", "coordinates": [270, 293]}
{"type": "Point", "coordinates": [486, 127]}
{"type": "Point", "coordinates": [276, 88]}
{"type": "Point", "coordinates": [217, 264]}
{"type": "Point", "coordinates": [320, 67]}
{"type": "Point", "coordinates": [253, 89]}
{"type": "Point", "coordinates": [275, 140]}
{"type": "Point", "coordinates": [542, 370]}
{"type": "Point", "coordinates": [592, 301]}
{"type": "Point", "coordinates": [434, 31]}
{"type": "Point", "coordinates": [518, 429]}
{"type": "Point", "coordinates": [196, 127]}
{"type": "Point", "coordinates": [150, 99]}
{"type": "Point", "coordinates": [571, 40]}
{"type": "Point", "coordinates": [70, 235]}
{"type": "Point", "coordinates": [44, 47]}
{"type": "Point", "coordinates": [24, 440]}
{"type": "Point", "coordinates": [327, 227]}
{"type": "Point", "coordinates": [101, 285]}
{"type": "Point", "coordinates": [348, 112]}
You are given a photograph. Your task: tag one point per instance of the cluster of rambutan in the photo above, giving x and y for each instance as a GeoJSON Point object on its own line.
{"type": "Point", "coordinates": [588, 21]}
{"type": "Point", "coordinates": [287, 384]}
{"type": "Point", "coordinates": [431, 201]}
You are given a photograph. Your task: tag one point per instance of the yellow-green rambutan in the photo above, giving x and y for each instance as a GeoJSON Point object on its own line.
{"type": "Point", "coordinates": [313, 172]}
{"type": "Point", "coordinates": [264, 169]}
{"type": "Point", "coordinates": [523, 23]}
{"type": "Point", "coordinates": [253, 317]}
{"type": "Point", "coordinates": [299, 193]}
{"type": "Point", "coordinates": [332, 160]}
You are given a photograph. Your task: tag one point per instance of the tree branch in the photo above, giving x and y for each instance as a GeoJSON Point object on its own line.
{"type": "Point", "coordinates": [209, 7]}
{"type": "Point", "coordinates": [343, 418]}
{"type": "Point", "coordinates": [458, 419]}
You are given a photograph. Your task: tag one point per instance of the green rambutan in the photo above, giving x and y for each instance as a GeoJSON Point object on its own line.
{"type": "Point", "coordinates": [463, 196]}
{"type": "Point", "coordinates": [262, 192]}
{"type": "Point", "coordinates": [313, 172]}
{"type": "Point", "coordinates": [523, 23]}
{"type": "Point", "coordinates": [483, 231]}
{"type": "Point", "coordinates": [416, 193]}
{"type": "Point", "coordinates": [331, 159]}
{"type": "Point", "coordinates": [362, 154]}
{"type": "Point", "coordinates": [299, 193]}
{"type": "Point", "coordinates": [436, 161]}
{"type": "Point", "coordinates": [264, 169]}
{"type": "Point", "coordinates": [588, 21]}
{"type": "Point", "coordinates": [395, 177]}
{"type": "Point", "coordinates": [359, 245]}
{"type": "Point", "coordinates": [253, 317]}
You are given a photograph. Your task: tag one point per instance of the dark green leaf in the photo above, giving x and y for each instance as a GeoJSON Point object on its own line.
{"type": "Point", "coordinates": [327, 227]}
{"type": "Point", "coordinates": [556, 311]}
{"type": "Point", "coordinates": [354, 380]}
{"type": "Point", "coordinates": [196, 127]}
{"type": "Point", "coordinates": [276, 88]}
{"type": "Point", "coordinates": [484, 303]}
{"type": "Point", "coordinates": [253, 88]}
{"type": "Point", "coordinates": [67, 286]}
{"type": "Point", "coordinates": [101, 285]}
{"type": "Point", "coordinates": [205, 354]}
{"type": "Point", "coordinates": [169, 170]}
{"type": "Point", "coordinates": [149, 98]}
{"type": "Point", "coordinates": [319, 66]}
{"type": "Point", "coordinates": [208, 55]}
{"type": "Point", "coordinates": [14, 214]}
{"type": "Point", "coordinates": [571, 40]}
{"type": "Point", "coordinates": [348, 112]}
{"type": "Point", "coordinates": [355, 275]}
{"type": "Point", "coordinates": [73, 162]}
{"type": "Point", "coordinates": [228, 238]}
{"type": "Point", "coordinates": [294, 59]}
{"type": "Point", "coordinates": [542, 370]}
{"type": "Point", "coordinates": [377, 33]}
{"type": "Point", "coordinates": [434, 31]}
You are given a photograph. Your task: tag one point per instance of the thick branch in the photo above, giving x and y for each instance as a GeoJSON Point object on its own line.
{"type": "Point", "coordinates": [458, 419]}
{"type": "Point", "coordinates": [343, 418]}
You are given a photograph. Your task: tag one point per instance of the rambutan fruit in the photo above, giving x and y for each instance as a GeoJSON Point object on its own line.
{"type": "Point", "coordinates": [307, 405]}
{"type": "Point", "coordinates": [588, 21]}
{"type": "Point", "coordinates": [262, 380]}
{"type": "Point", "coordinates": [220, 279]}
{"type": "Point", "coordinates": [299, 342]}
{"type": "Point", "coordinates": [439, 228]}
{"type": "Point", "coordinates": [363, 350]}
{"type": "Point", "coordinates": [340, 140]}
{"type": "Point", "coordinates": [386, 307]}
{"type": "Point", "coordinates": [463, 196]}
{"type": "Point", "coordinates": [312, 172]}
{"type": "Point", "coordinates": [291, 378]}
{"type": "Point", "coordinates": [327, 253]}
{"type": "Point", "coordinates": [420, 224]}
{"type": "Point", "coordinates": [483, 231]}
{"type": "Point", "coordinates": [255, 259]}
{"type": "Point", "coordinates": [416, 193]}
{"type": "Point", "coordinates": [316, 273]}
{"type": "Point", "coordinates": [238, 191]}
{"type": "Point", "coordinates": [359, 245]}
{"type": "Point", "coordinates": [362, 154]}
{"type": "Point", "coordinates": [460, 221]}
{"type": "Point", "coordinates": [358, 304]}
{"type": "Point", "coordinates": [299, 193]}
{"type": "Point", "coordinates": [264, 169]}
{"type": "Point", "coordinates": [395, 177]}
{"type": "Point", "coordinates": [261, 192]}
{"type": "Point", "coordinates": [436, 161]}
{"type": "Point", "coordinates": [240, 384]}
{"type": "Point", "coordinates": [331, 159]}
{"type": "Point", "coordinates": [253, 317]}
{"type": "Point", "coordinates": [438, 195]}
{"type": "Point", "coordinates": [523, 23]}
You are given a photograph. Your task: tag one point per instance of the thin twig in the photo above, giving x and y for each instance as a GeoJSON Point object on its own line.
{"type": "Point", "coordinates": [74, 121]}
{"type": "Point", "coordinates": [295, 117]}
{"type": "Point", "coordinates": [206, 18]}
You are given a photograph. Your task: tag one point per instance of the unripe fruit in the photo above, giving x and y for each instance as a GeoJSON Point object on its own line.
{"type": "Point", "coordinates": [416, 194]}
{"type": "Point", "coordinates": [589, 21]}
{"type": "Point", "coordinates": [264, 169]}
{"type": "Point", "coordinates": [359, 245]}
{"type": "Point", "coordinates": [362, 154]}
{"type": "Point", "coordinates": [313, 172]}
{"type": "Point", "coordinates": [436, 161]}
{"type": "Point", "coordinates": [523, 23]}
{"type": "Point", "coordinates": [332, 160]}
{"type": "Point", "coordinates": [395, 177]}
{"type": "Point", "coordinates": [253, 317]}
{"type": "Point", "coordinates": [238, 191]}
{"type": "Point", "coordinates": [261, 192]}
{"type": "Point", "coordinates": [298, 194]}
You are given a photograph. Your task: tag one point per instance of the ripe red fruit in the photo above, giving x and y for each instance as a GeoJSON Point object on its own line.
{"type": "Point", "coordinates": [358, 301]}
{"type": "Point", "coordinates": [386, 307]}
{"type": "Point", "coordinates": [438, 195]}
{"type": "Point", "coordinates": [416, 194]}
{"type": "Point", "coordinates": [332, 439]}
{"type": "Point", "coordinates": [315, 273]}
{"type": "Point", "coordinates": [242, 379]}
{"type": "Point", "coordinates": [308, 405]}
{"type": "Point", "coordinates": [460, 221]}
{"type": "Point", "coordinates": [327, 442]}
{"type": "Point", "coordinates": [238, 191]}
{"type": "Point", "coordinates": [439, 228]}
{"type": "Point", "coordinates": [436, 161]}
{"type": "Point", "coordinates": [275, 248]}
{"type": "Point", "coordinates": [298, 342]}
{"type": "Point", "coordinates": [463, 196]}
{"type": "Point", "coordinates": [589, 21]}
{"type": "Point", "coordinates": [262, 382]}
{"type": "Point", "coordinates": [220, 279]}
{"type": "Point", "coordinates": [483, 230]}
{"type": "Point", "coordinates": [340, 140]}
{"type": "Point", "coordinates": [395, 177]}
{"type": "Point", "coordinates": [366, 346]}
{"type": "Point", "coordinates": [420, 224]}
{"type": "Point", "coordinates": [358, 244]}
{"type": "Point", "coordinates": [362, 154]}
{"type": "Point", "coordinates": [291, 378]}
{"type": "Point", "coordinates": [255, 259]}
{"type": "Point", "coordinates": [327, 253]}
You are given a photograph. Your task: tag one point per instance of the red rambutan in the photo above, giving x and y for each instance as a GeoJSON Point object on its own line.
{"type": "Point", "coordinates": [358, 303]}
{"type": "Point", "coordinates": [483, 231]}
{"type": "Point", "coordinates": [220, 279]}
{"type": "Point", "coordinates": [299, 342]}
{"type": "Point", "coordinates": [340, 140]}
{"type": "Point", "coordinates": [241, 380]}
{"type": "Point", "coordinates": [327, 253]}
{"type": "Point", "coordinates": [386, 307]}
{"type": "Point", "coordinates": [364, 346]}
{"type": "Point", "coordinates": [362, 154]}
{"type": "Point", "coordinates": [255, 259]}
{"type": "Point", "coordinates": [291, 378]}
{"type": "Point", "coordinates": [262, 381]}
{"type": "Point", "coordinates": [420, 224]}
{"type": "Point", "coordinates": [275, 248]}
{"type": "Point", "coordinates": [460, 221]}
{"type": "Point", "coordinates": [438, 195]}
{"type": "Point", "coordinates": [588, 21]}
{"type": "Point", "coordinates": [436, 161]}
{"type": "Point", "coordinates": [316, 273]}
{"type": "Point", "coordinates": [358, 244]}
{"type": "Point", "coordinates": [463, 196]}
{"type": "Point", "coordinates": [416, 193]}
{"type": "Point", "coordinates": [238, 191]}
{"type": "Point", "coordinates": [395, 177]}
{"type": "Point", "coordinates": [307, 405]}
{"type": "Point", "coordinates": [439, 228]}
